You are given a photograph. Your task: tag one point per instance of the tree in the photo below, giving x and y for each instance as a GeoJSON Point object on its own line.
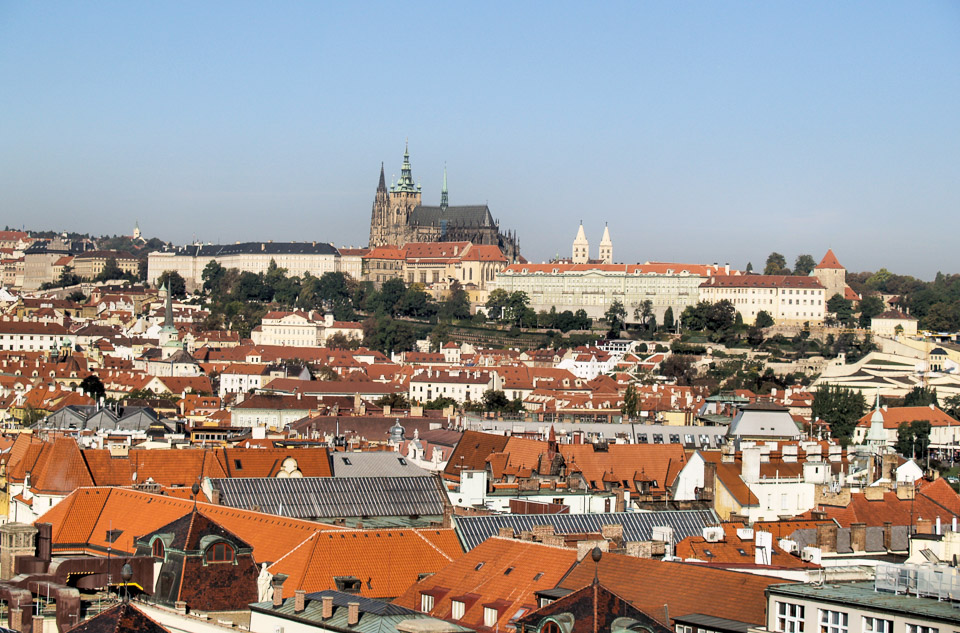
{"type": "Point", "coordinates": [497, 304]}
{"type": "Point", "coordinates": [679, 367]}
{"type": "Point", "coordinates": [93, 387]}
{"type": "Point", "coordinates": [438, 404]}
{"type": "Point", "coordinates": [763, 319]}
{"type": "Point", "coordinates": [457, 304]}
{"type": "Point", "coordinates": [631, 403]}
{"type": "Point", "coordinates": [870, 307]}
{"type": "Point", "coordinates": [518, 308]}
{"type": "Point", "coordinates": [212, 276]}
{"type": "Point", "coordinates": [840, 408]}
{"type": "Point", "coordinates": [394, 401]}
{"type": "Point", "coordinates": [77, 296]}
{"type": "Point", "coordinates": [951, 406]}
{"type": "Point", "coordinates": [175, 284]}
{"type": "Point", "coordinates": [417, 303]}
{"type": "Point", "coordinates": [804, 265]}
{"type": "Point", "coordinates": [913, 438]}
{"type": "Point", "coordinates": [921, 397]}
{"type": "Point", "coordinates": [615, 316]}
{"type": "Point", "coordinates": [111, 270]}
{"type": "Point", "coordinates": [776, 265]}
{"type": "Point", "coordinates": [668, 319]}
{"type": "Point", "coordinates": [841, 307]}
{"type": "Point", "coordinates": [387, 300]}
{"type": "Point", "coordinates": [749, 268]}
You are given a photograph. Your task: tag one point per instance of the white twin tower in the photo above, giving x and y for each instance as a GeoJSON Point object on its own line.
{"type": "Point", "coordinates": [581, 248]}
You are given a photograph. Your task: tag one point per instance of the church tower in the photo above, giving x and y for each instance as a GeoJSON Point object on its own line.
{"type": "Point", "coordinates": [581, 247]}
{"type": "Point", "coordinates": [606, 247]}
{"type": "Point", "coordinates": [832, 275]}
{"type": "Point", "coordinates": [381, 211]}
{"type": "Point", "coordinates": [404, 198]}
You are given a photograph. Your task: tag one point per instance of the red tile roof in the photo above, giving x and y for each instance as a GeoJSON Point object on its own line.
{"type": "Point", "coordinates": [829, 261]}
{"type": "Point", "coordinates": [387, 562]}
{"type": "Point", "coordinates": [498, 569]}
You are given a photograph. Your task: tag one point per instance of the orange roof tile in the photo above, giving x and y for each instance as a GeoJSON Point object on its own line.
{"type": "Point", "coordinates": [387, 562]}
{"type": "Point", "coordinates": [497, 569]}
{"type": "Point", "coordinates": [829, 260]}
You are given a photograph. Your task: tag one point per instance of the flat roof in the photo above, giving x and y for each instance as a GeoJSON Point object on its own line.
{"type": "Point", "coordinates": [862, 594]}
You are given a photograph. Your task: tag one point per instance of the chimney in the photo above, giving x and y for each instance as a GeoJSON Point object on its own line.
{"type": "Point", "coordinates": [750, 469]}
{"type": "Point", "coordinates": [44, 539]}
{"type": "Point", "coordinates": [905, 491]}
{"type": "Point", "coordinates": [887, 535]}
{"type": "Point", "coordinates": [924, 526]}
{"type": "Point", "coordinates": [827, 537]}
{"type": "Point", "coordinates": [277, 583]}
{"type": "Point", "coordinates": [16, 619]}
{"type": "Point", "coordinates": [858, 537]}
{"type": "Point", "coordinates": [299, 600]}
{"type": "Point", "coordinates": [327, 602]}
{"type": "Point", "coordinates": [353, 613]}
{"type": "Point", "coordinates": [505, 532]}
{"type": "Point", "coordinates": [709, 481]}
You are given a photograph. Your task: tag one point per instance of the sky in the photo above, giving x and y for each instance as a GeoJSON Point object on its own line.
{"type": "Point", "coordinates": [700, 132]}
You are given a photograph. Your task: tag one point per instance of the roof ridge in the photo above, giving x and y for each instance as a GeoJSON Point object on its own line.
{"type": "Point", "coordinates": [432, 544]}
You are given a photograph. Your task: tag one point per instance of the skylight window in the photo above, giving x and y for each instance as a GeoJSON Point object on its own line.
{"type": "Point", "coordinates": [479, 565]}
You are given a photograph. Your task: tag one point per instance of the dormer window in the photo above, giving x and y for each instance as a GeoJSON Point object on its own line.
{"type": "Point", "coordinates": [158, 549]}
{"type": "Point", "coordinates": [220, 553]}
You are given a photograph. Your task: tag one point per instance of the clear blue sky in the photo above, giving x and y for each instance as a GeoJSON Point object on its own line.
{"type": "Point", "coordinates": [702, 132]}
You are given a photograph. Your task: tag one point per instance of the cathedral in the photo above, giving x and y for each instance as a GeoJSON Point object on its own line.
{"type": "Point", "coordinates": [399, 217]}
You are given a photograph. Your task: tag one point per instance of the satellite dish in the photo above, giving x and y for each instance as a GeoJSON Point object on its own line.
{"type": "Point", "coordinates": [134, 478]}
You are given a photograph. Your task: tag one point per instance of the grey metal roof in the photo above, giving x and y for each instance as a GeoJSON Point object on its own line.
{"type": "Point", "coordinates": [707, 437]}
{"type": "Point", "coordinates": [464, 215]}
{"type": "Point", "coordinates": [637, 526]}
{"type": "Point", "coordinates": [269, 248]}
{"type": "Point", "coordinates": [334, 497]}
{"type": "Point", "coordinates": [374, 464]}
{"type": "Point", "coordinates": [757, 422]}
{"type": "Point", "coordinates": [713, 623]}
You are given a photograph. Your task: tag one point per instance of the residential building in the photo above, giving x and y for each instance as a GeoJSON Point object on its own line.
{"type": "Point", "coordinates": [31, 336]}
{"type": "Point", "coordinates": [91, 263]}
{"type": "Point", "coordinates": [901, 599]}
{"type": "Point", "coordinates": [893, 323]}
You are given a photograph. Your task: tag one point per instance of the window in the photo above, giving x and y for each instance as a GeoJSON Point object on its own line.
{"type": "Point", "coordinates": [789, 617]}
{"type": "Point", "coordinates": [550, 627]}
{"type": "Point", "coordinates": [833, 621]}
{"type": "Point", "coordinates": [921, 628]}
{"type": "Point", "coordinates": [877, 625]}
{"type": "Point", "coordinates": [489, 617]}
{"type": "Point", "coordinates": [158, 549]}
{"type": "Point", "coordinates": [220, 553]}
{"type": "Point", "coordinates": [456, 609]}
{"type": "Point", "coordinates": [426, 603]}
{"type": "Point", "coordinates": [684, 628]}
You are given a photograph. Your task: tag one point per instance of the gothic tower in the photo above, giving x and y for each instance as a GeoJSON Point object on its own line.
{"type": "Point", "coordinates": [404, 198]}
{"type": "Point", "coordinates": [381, 211]}
{"type": "Point", "coordinates": [606, 246]}
{"type": "Point", "coordinates": [581, 247]}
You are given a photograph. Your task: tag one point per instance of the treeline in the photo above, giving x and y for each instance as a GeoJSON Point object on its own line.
{"type": "Point", "coordinates": [936, 304]}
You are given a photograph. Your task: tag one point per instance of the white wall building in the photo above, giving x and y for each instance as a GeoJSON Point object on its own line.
{"type": "Point", "coordinates": [788, 299]}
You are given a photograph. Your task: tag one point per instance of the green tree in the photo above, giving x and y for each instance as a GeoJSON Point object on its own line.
{"type": "Point", "coordinates": [518, 308]}
{"type": "Point", "coordinates": [212, 276]}
{"type": "Point", "coordinates": [394, 401]}
{"type": "Point", "coordinates": [111, 270]}
{"type": "Point", "coordinates": [387, 300]}
{"type": "Point", "coordinates": [615, 316]}
{"type": "Point", "coordinates": [457, 304]}
{"type": "Point", "coordinates": [749, 268]}
{"type": "Point", "coordinates": [438, 404]}
{"type": "Point", "coordinates": [842, 308]}
{"type": "Point", "coordinates": [496, 304]}
{"type": "Point", "coordinates": [386, 334]}
{"type": "Point", "coordinates": [870, 307]}
{"type": "Point", "coordinates": [951, 406]}
{"type": "Point", "coordinates": [631, 403]}
{"type": "Point", "coordinates": [804, 265]}
{"type": "Point", "coordinates": [77, 296]}
{"type": "Point", "coordinates": [840, 408]}
{"type": "Point", "coordinates": [417, 303]}
{"type": "Point", "coordinates": [776, 265]}
{"type": "Point", "coordinates": [668, 319]}
{"type": "Point", "coordinates": [913, 438]}
{"type": "Point", "coordinates": [174, 282]}
{"type": "Point", "coordinates": [921, 397]}
{"type": "Point", "coordinates": [763, 319]}
{"type": "Point", "coordinates": [679, 367]}
{"type": "Point", "coordinates": [93, 387]}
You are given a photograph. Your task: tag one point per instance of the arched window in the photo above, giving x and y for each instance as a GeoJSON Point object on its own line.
{"type": "Point", "coordinates": [220, 553]}
{"type": "Point", "coordinates": [550, 627]}
{"type": "Point", "coordinates": [158, 549]}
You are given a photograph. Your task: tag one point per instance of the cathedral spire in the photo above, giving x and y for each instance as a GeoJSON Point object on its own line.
{"type": "Point", "coordinates": [383, 183]}
{"type": "Point", "coordinates": [406, 183]}
{"type": "Point", "coordinates": [444, 200]}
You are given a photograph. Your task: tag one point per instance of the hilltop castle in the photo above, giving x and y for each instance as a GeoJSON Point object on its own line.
{"type": "Point", "coordinates": [398, 217]}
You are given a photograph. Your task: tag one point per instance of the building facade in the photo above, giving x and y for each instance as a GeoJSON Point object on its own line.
{"type": "Point", "coordinates": [788, 299]}
{"type": "Point", "coordinates": [594, 287]}
{"type": "Point", "coordinates": [399, 217]}
{"type": "Point", "coordinates": [298, 258]}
